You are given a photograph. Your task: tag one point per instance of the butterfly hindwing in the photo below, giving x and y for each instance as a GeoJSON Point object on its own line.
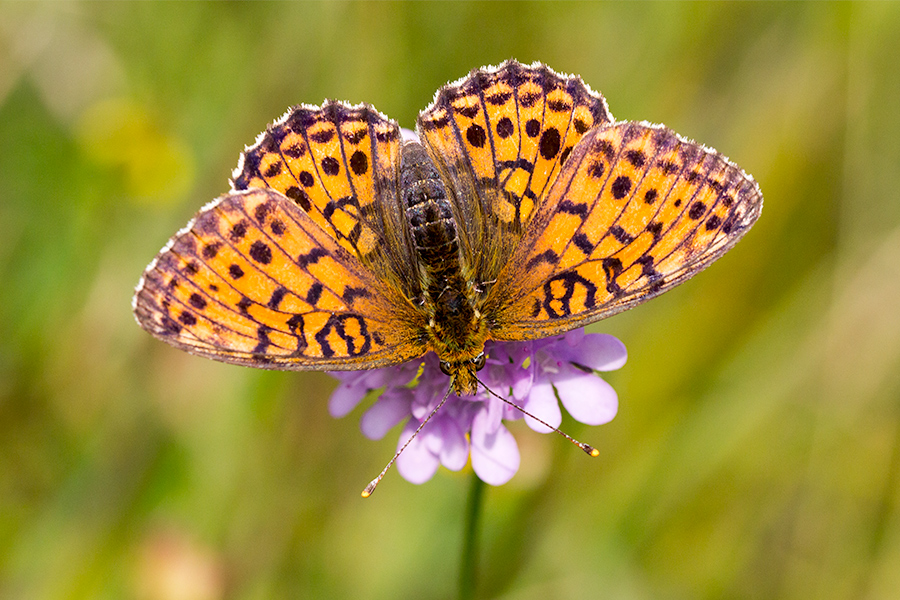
{"type": "Point", "coordinates": [499, 138]}
{"type": "Point", "coordinates": [635, 211]}
{"type": "Point", "coordinates": [254, 280]}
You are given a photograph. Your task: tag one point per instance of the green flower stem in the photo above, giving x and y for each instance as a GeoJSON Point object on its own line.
{"type": "Point", "coordinates": [469, 559]}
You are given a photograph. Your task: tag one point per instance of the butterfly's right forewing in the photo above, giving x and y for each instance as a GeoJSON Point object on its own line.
{"type": "Point", "coordinates": [500, 137]}
{"type": "Point", "coordinates": [636, 210]}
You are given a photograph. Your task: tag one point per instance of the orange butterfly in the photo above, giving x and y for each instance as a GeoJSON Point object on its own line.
{"type": "Point", "coordinates": [524, 211]}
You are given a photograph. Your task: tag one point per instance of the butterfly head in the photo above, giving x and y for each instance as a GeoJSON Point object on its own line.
{"type": "Point", "coordinates": [463, 372]}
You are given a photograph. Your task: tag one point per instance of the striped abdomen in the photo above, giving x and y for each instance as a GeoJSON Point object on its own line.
{"type": "Point", "coordinates": [434, 232]}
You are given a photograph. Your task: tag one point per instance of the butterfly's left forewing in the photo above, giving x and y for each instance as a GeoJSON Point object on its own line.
{"type": "Point", "coordinates": [306, 263]}
{"type": "Point", "coordinates": [254, 281]}
{"type": "Point", "coordinates": [338, 163]}
{"type": "Point", "coordinates": [635, 211]}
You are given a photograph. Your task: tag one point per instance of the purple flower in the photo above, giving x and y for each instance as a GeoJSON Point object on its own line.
{"type": "Point", "coordinates": [529, 374]}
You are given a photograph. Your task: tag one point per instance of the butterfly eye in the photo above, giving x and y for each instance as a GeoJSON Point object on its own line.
{"type": "Point", "coordinates": [446, 368]}
{"type": "Point", "coordinates": [478, 361]}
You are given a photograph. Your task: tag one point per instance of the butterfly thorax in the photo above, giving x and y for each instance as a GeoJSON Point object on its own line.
{"type": "Point", "coordinates": [455, 330]}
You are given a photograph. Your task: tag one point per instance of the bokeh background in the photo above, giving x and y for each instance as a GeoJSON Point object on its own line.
{"type": "Point", "coordinates": [757, 447]}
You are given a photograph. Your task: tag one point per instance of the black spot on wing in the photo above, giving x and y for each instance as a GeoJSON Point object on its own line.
{"type": "Point", "coordinates": [314, 293]}
{"type": "Point", "coordinates": [583, 243]}
{"type": "Point", "coordinates": [323, 136]}
{"type": "Point", "coordinates": [550, 143]}
{"type": "Point", "coordinates": [697, 210]}
{"type": "Point", "coordinates": [238, 231]}
{"type": "Point", "coordinates": [330, 166]}
{"type": "Point", "coordinates": [311, 257]}
{"type": "Point", "coordinates": [547, 256]}
{"type": "Point", "coordinates": [476, 135]}
{"type": "Point", "coordinates": [505, 127]}
{"type": "Point", "coordinates": [612, 267]}
{"type": "Point", "coordinates": [573, 208]}
{"type": "Point", "coordinates": [277, 296]}
{"type": "Point", "coordinates": [499, 98]}
{"type": "Point", "coordinates": [274, 169]}
{"type": "Point", "coordinates": [210, 250]}
{"type": "Point", "coordinates": [636, 158]}
{"type": "Point", "coordinates": [352, 293]}
{"type": "Point", "coordinates": [621, 186]}
{"type": "Point", "coordinates": [359, 163]}
{"type": "Point", "coordinates": [260, 252]}
{"type": "Point", "coordinates": [620, 234]}
{"type": "Point", "coordinates": [262, 334]}
{"type": "Point", "coordinates": [197, 301]}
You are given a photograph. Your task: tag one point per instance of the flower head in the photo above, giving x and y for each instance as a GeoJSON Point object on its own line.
{"type": "Point", "coordinates": [530, 375]}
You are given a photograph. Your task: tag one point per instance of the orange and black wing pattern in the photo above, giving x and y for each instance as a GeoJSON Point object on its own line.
{"type": "Point", "coordinates": [500, 138]}
{"type": "Point", "coordinates": [339, 164]}
{"type": "Point", "coordinates": [636, 210]}
{"type": "Point", "coordinates": [563, 217]}
{"type": "Point", "coordinates": [305, 264]}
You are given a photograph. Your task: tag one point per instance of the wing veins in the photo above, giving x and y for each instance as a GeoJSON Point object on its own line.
{"type": "Point", "coordinates": [199, 315]}
{"type": "Point", "coordinates": [700, 223]}
{"type": "Point", "coordinates": [337, 250]}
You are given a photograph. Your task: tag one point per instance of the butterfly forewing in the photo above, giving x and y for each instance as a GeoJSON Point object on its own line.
{"type": "Point", "coordinates": [253, 280]}
{"type": "Point", "coordinates": [635, 211]}
{"type": "Point", "coordinates": [339, 163]}
{"type": "Point", "coordinates": [499, 138]}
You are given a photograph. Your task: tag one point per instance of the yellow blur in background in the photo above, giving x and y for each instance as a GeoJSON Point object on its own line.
{"type": "Point", "coordinates": [756, 453]}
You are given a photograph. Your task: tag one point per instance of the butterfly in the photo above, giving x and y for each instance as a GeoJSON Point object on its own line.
{"type": "Point", "coordinates": [521, 211]}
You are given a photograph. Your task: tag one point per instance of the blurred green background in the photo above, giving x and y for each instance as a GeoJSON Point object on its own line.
{"type": "Point", "coordinates": [757, 447]}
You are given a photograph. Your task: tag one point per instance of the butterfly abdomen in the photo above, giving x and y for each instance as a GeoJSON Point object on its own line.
{"type": "Point", "coordinates": [455, 331]}
{"type": "Point", "coordinates": [431, 221]}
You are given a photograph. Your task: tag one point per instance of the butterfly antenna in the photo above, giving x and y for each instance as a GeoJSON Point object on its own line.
{"type": "Point", "coordinates": [587, 448]}
{"type": "Point", "coordinates": [371, 487]}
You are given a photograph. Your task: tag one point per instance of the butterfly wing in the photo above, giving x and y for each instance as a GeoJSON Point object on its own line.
{"type": "Point", "coordinates": [499, 138]}
{"type": "Point", "coordinates": [253, 280]}
{"type": "Point", "coordinates": [339, 164]}
{"type": "Point", "coordinates": [635, 211]}
{"type": "Point", "coordinates": [304, 264]}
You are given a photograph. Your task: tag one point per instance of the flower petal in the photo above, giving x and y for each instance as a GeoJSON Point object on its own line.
{"type": "Point", "coordinates": [345, 398]}
{"type": "Point", "coordinates": [356, 384]}
{"type": "Point", "coordinates": [598, 351]}
{"type": "Point", "coordinates": [408, 135]}
{"type": "Point", "coordinates": [493, 414]}
{"type": "Point", "coordinates": [542, 403]}
{"type": "Point", "coordinates": [454, 452]}
{"type": "Point", "coordinates": [417, 464]}
{"type": "Point", "coordinates": [588, 398]}
{"type": "Point", "coordinates": [390, 409]}
{"type": "Point", "coordinates": [530, 374]}
{"type": "Point", "coordinates": [495, 454]}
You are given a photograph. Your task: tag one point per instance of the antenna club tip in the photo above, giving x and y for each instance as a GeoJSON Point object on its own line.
{"type": "Point", "coordinates": [366, 493]}
{"type": "Point", "coordinates": [591, 451]}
